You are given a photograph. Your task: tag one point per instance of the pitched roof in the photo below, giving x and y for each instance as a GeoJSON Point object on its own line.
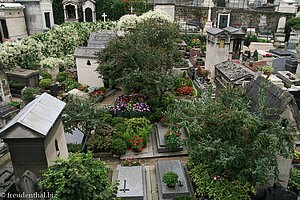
{"type": "Point", "coordinates": [214, 31]}
{"type": "Point", "coordinates": [86, 52]}
{"type": "Point", "coordinates": [39, 115]}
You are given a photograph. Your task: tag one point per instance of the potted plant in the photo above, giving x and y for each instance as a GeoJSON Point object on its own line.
{"type": "Point", "coordinates": [267, 69]}
{"type": "Point", "coordinates": [171, 179]}
{"type": "Point", "coordinates": [118, 146]}
{"type": "Point", "coordinates": [296, 158]}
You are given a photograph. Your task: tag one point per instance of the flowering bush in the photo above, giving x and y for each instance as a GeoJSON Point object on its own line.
{"type": "Point", "coordinates": [128, 22]}
{"type": "Point", "coordinates": [136, 143]}
{"type": "Point", "coordinates": [156, 14]}
{"type": "Point", "coordinates": [164, 121]}
{"type": "Point", "coordinates": [296, 156]}
{"type": "Point", "coordinates": [131, 106]}
{"type": "Point", "coordinates": [83, 88]}
{"type": "Point", "coordinates": [185, 91]}
{"type": "Point", "coordinates": [183, 82]}
{"type": "Point", "coordinates": [196, 43]}
{"type": "Point", "coordinates": [132, 162]}
{"type": "Point", "coordinates": [172, 138]}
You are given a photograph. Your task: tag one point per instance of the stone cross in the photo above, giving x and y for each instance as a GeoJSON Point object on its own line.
{"type": "Point", "coordinates": [180, 184]}
{"type": "Point", "coordinates": [131, 9]}
{"type": "Point", "coordinates": [104, 16]}
{"type": "Point", "coordinates": [124, 189]}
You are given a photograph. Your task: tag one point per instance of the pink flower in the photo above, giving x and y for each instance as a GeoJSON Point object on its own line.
{"type": "Point", "coordinates": [215, 178]}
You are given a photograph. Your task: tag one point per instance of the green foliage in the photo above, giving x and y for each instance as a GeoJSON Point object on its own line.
{"type": "Point", "coordinates": [74, 147]}
{"type": "Point", "coordinates": [46, 75]}
{"type": "Point", "coordinates": [78, 177]}
{"type": "Point", "coordinates": [127, 138]}
{"type": "Point", "coordinates": [184, 74]}
{"type": "Point", "coordinates": [294, 181]}
{"type": "Point", "coordinates": [136, 126]}
{"type": "Point", "coordinates": [229, 138]}
{"type": "Point", "coordinates": [19, 86]}
{"type": "Point", "coordinates": [14, 103]}
{"type": "Point", "coordinates": [102, 139]}
{"type": "Point", "coordinates": [61, 76]}
{"type": "Point", "coordinates": [170, 178]}
{"type": "Point", "coordinates": [113, 8]}
{"type": "Point", "coordinates": [158, 106]}
{"type": "Point", "coordinates": [189, 38]}
{"type": "Point", "coordinates": [219, 187]}
{"type": "Point", "coordinates": [255, 55]}
{"type": "Point", "coordinates": [119, 120]}
{"type": "Point", "coordinates": [249, 39]}
{"type": "Point", "coordinates": [106, 118]}
{"type": "Point", "coordinates": [183, 197]}
{"type": "Point", "coordinates": [172, 138]}
{"type": "Point", "coordinates": [267, 68]}
{"type": "Point", "coordinates": [118, 145]}
{"type": "Point", "coordinates": [102, 89]}
{"type": "Point", "coordinates": [45, 83]}
{"type": "Point", "coordinates": [182, 82]}
{"type": "Point", "coordinates": [188, 48]}
{"type": "Point", "coordinates": [28, 94]}
{"type": "Point", "coordinates": [199, 92]}
{"type": "Point", "coordinates": [58, 11]}
{"type": "Point", "coordinates": [70, 84]}
{"type": "Point", "coordinates": [82, 114]}
{"type": "Point", "coordinates": [292, 23]}
{"type": "Point", "coordinates": [54, 47]}
{"type": "Point", "coordinates": [150, 53]}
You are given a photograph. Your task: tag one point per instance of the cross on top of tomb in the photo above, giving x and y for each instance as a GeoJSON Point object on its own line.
{"type": "Point", "coordinates": [104, 17]}
{"type": "Point", "coordinates": [124, 189]}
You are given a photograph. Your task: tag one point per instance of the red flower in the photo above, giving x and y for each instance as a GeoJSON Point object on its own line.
{"type": "Point", "coordinates": [140, 149]}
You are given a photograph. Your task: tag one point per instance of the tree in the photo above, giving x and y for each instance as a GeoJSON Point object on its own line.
{"type": "Point", "coordinates": [79, 177]}
{"type": "Point", "coordinates": [142, 60]}
{"type": "Point", "coordinates": [58, 11]}
{"type": "Point", "coordinates": [82, 114]}
{"type": "Point", "coordinates": [231, 140]}
{"type": "Point", "coordinates": [292, 23]}
{"type": "Point", "coordinates": [114, 9]}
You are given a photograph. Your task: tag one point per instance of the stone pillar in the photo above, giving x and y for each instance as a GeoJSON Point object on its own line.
{"type": "Point", "coordinates": [84, 20]}
{"type": "Point", "coordinates": [94, 16]}
{"type": "Point", "coordinates": [279, 36]}
{"type": "Point", "coordinates": [208, 23]}
{"type": "Point", "coordinates": [65, 13]}
{"type": "Point", "coordinates": [76, 12]}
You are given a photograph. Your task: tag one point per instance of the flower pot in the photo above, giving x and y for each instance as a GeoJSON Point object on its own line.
{"type": "Point", "coordinates": [170, 188]}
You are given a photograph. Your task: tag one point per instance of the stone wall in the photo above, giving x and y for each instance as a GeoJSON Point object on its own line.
{"type": "Point", "coordinates": [247, 18]}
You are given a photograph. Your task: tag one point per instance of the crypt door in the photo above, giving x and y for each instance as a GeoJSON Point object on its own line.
{"type": "Point", "coordinates": [236, 48]}
{"type": "Point", "coordinates": [88, 15]}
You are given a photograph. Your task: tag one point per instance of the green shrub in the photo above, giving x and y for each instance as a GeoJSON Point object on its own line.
{"type": "Point", "coordinates": [70, 84]}
{"type": "Point", "coordinates": [120, 127]}
{"type": "Point", "coordinates": [181, 82]}
{"type": "Point", "coordinates": [178, 40]}
{"type": "Point", "coordinates": [199, 92]}
{"type": "Point", "coordinates": [135, 126]}
{"type": "Point", "coordinates": [61, 76]}
{"type": "Point", "coordinates": [46, 75]}
{"type": "Point", "coordinates": [118, 145]}
{"type": "Point", "coordinates": [170, 178]}
{"type": "Point", "coordinates": [255, 55]}
{"type": "Point", "coordinates": [106, 118]}
{"type": "Point", "coordinates": [267, 68]}
{"type": "Point", "coordinates": [127, 138]}
{"type": "Point", "coordinates": [188, 48]}
{"type": "Point", "coordinates": [74, 147]}
{"type": "Point", "coordinates": [45, 83]}
{"type": "Point", "coordinates": [102, 89]}
{"type": "Point", "coordinates": [19, 86]}
{"type": "Point", "coordinates": [28, 94]}
{"type": "Point", "coordinates": [14, 103]}
{"type": "Point", "coordinates": [119, 120]}
{"type": "Point", "coordinates": [219, 186]}
{"type": "Point", "coordinates": [294, 181]}
{"type": "Point", "coordinates": [183, 197]}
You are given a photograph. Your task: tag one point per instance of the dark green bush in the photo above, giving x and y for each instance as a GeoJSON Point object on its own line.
{"type": "Point", "coordinates": [170, 178]}
{"type": "Point", "coordinates": [29, 94]}
{"type": "Point", "coordinates": [102, 89]}
{"type": "Point", "coordinates": [183, 197]}
{"type": "Point", "coordinates": [74, 147]}
{"type": "Point", "coordinates": [118, 120]}
{"type": "Point", "coordinates": [118, 145]}
{"type": "Point", "coordinates": [46, 75]}
{"type": "Point", "coordinates": [19, 86]}
{"type": "Point", "coordinates": [61, 76]}
{"type": "Point", "coordinates": [294, 181]}
{"type": "Point", "coordinates": [45, 83]}
{"type": "Point", "coordinates": [14, 103]}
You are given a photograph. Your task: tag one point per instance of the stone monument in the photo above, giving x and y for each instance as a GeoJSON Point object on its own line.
{"type": "Point", "coordinates": [279, 36]}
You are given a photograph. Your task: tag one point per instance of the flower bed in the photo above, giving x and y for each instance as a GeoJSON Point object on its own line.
{"type": "Point", "coordinates": [132, 162]}
{"type": "Point", "coordinates": [137, 143]}
{"type": "Point", "coordinates": [172, 138]}
{"type": "Point", "coordinates": [131, 106]}
{"type": "Point", "coordinates": [185, 91]}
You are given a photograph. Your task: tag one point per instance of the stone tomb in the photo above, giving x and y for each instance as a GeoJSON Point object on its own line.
{"type": "Point", "coordinates": [183, 187]}
{"type": "Point", "coordinates": [161, 144]}
{"type": "Point", "coordinates": [132, 182]}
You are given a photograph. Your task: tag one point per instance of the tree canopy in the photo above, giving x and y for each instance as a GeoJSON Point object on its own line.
{"type": "Point", "coordinates": [142, 60]}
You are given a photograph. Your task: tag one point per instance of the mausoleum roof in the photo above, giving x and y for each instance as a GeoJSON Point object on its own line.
{"type": "Point", "coordinates": [11, 5]}
{"type": "Point", "coordinates": [86, 52]}
{"type": "Point", "coordinates": [233, 70]}
{"type": "Point", "coordinates": [214, 31]}
{"type": "Point", "coordinates": [39, 115]}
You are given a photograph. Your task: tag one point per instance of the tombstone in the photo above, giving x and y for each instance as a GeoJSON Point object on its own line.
{"type": "Point", "coordinates": [54, 90]}
{"type": "Point", "coordinates": [132, 182]}
{"type": "Point", "coordinates": [279, 36]}
{"type": "Point", "coordinates": [35, 136]}
{"type": "Point", "coordinates": [168, 8]}
{"type": "Point", "coordinates": [222, 45]}
{"type": "Point", "coordinates": [262, 26]}
{"type": "Point", "coordinates": [27, 76]}
{"type": "Point", "coordinates": [7, 111]}
{"type": "Point", "coordinates": [294, 36]}
{"type": "Point", "coordinates": [277, 192]}
{"type": "Point", "coordinates": [195, 54]}
{"type": "Point", "coordinates": [28, 183]}
{"type": "Point", "coordinates": [291, 65]}
{"type": "Point", "coordinates": [7, 181]}
{"type": "Point", "coordinates": [279, 64]}
{"type": "Point", "coordinates": [5, 95]}
{"type": "Point", "coordinates": [183, 187]}
{"type": "Point", "coordinates": [161, 144]}
{"type": "Point", "coordinates": [208, 23]}
{"type": "Point", "coordinates": [290, 45]}
{"type": "Point", "coordinates": [288, 78]}
{"type": "Point", "coordinates": [232, 73]}
{"type": "Point", "coordinates": [260, 46]}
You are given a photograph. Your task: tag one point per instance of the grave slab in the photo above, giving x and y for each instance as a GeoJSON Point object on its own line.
{"type": "Point", "coordinates": [181, 188]}
{"type": "Point", "coordinates": [132, 182]}
{"type": "Point", "coordinates": [161, 144]}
